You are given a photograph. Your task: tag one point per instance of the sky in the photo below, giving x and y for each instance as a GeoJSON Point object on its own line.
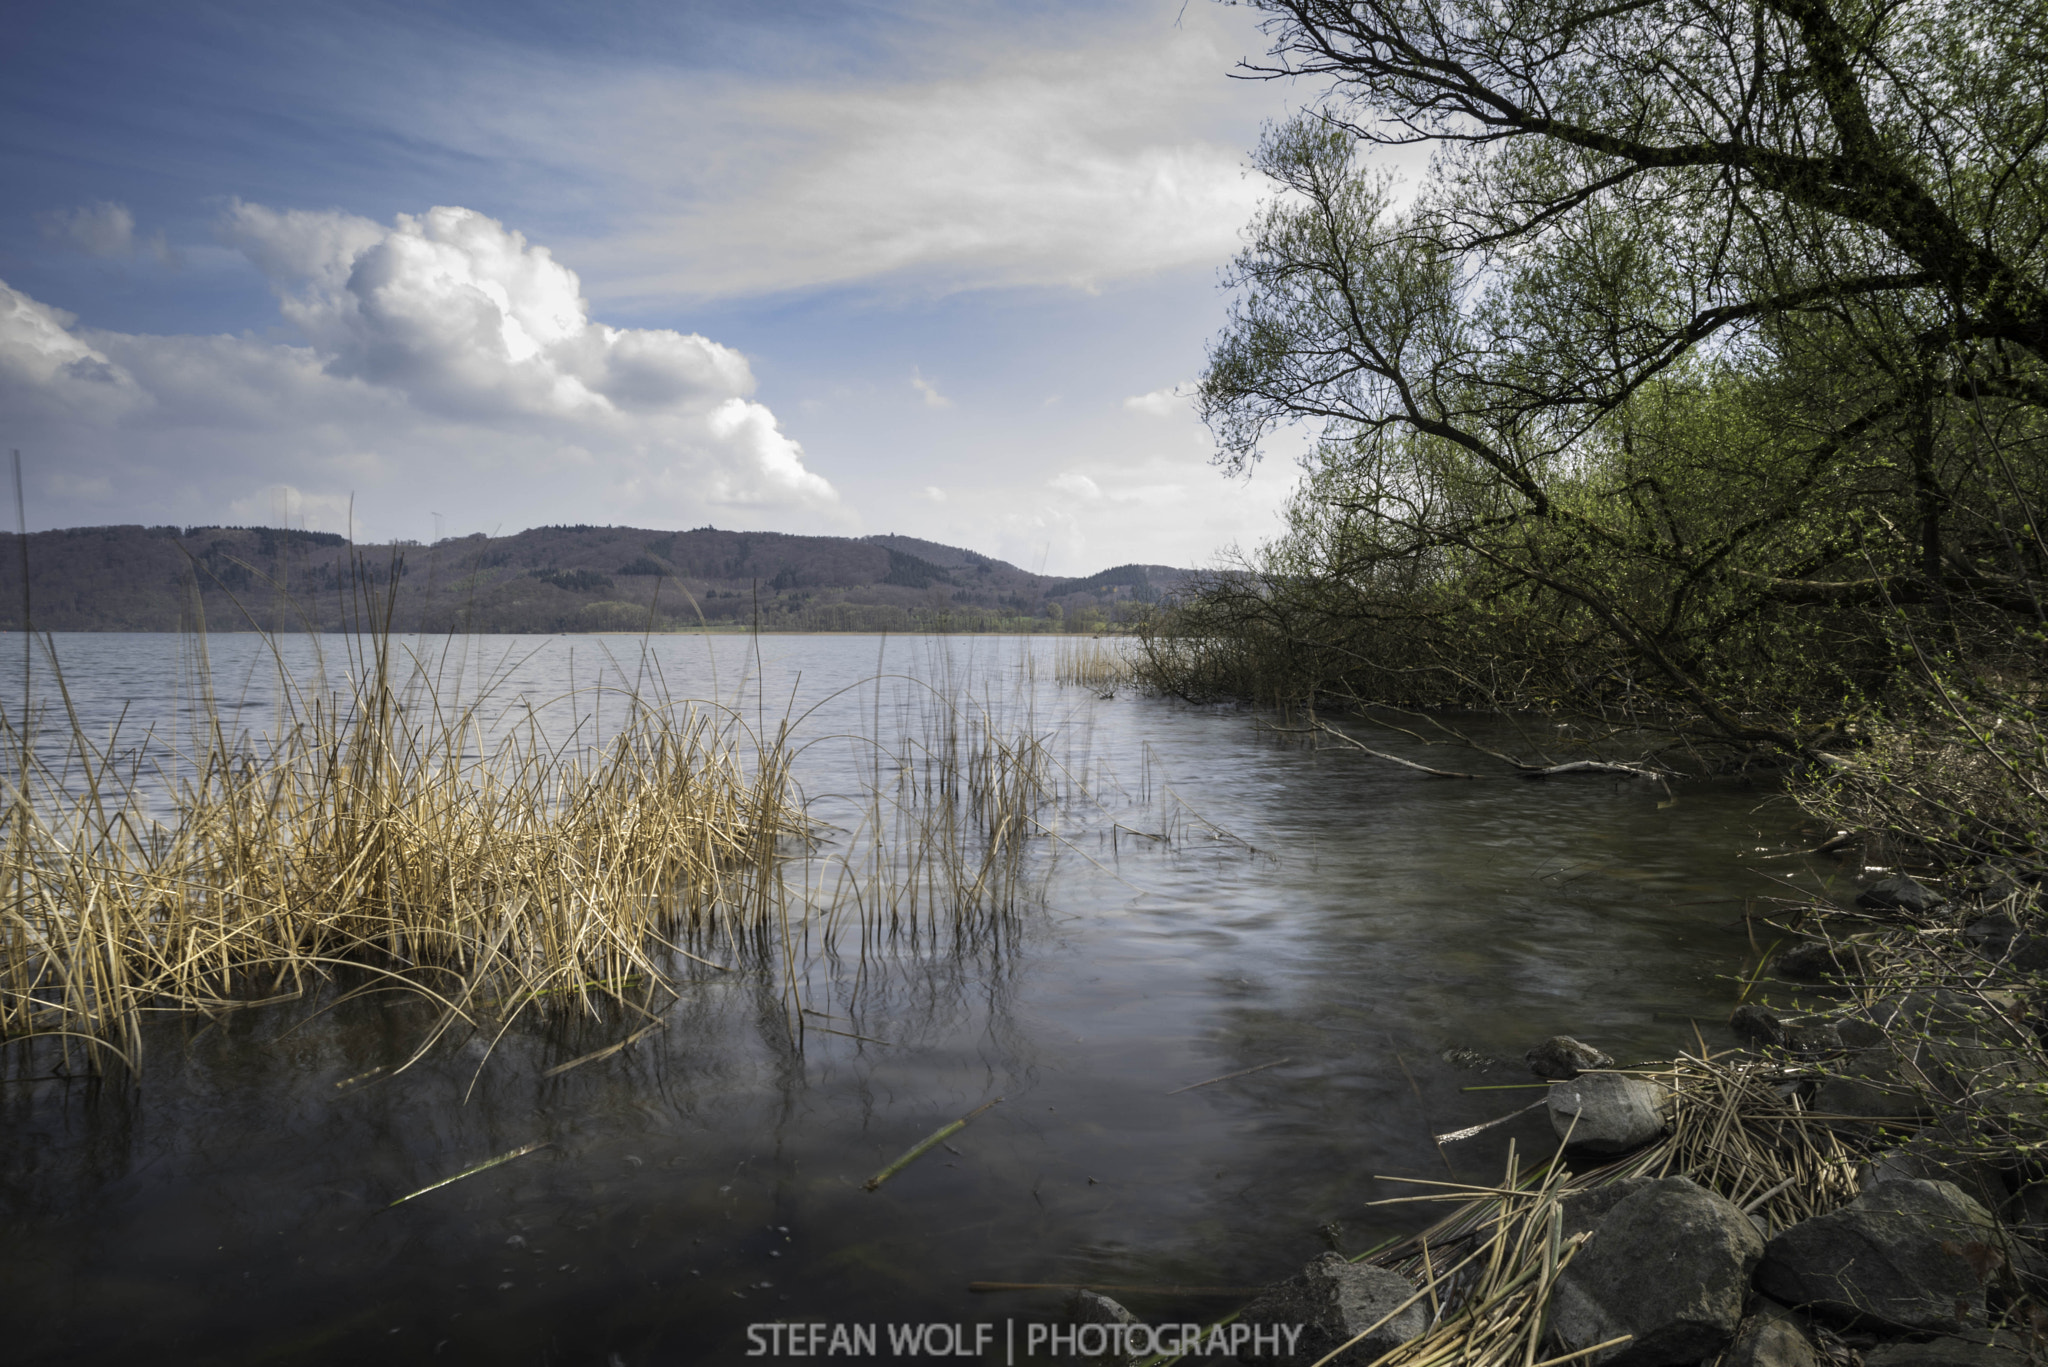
{"type": "Point", "coordinates": [417, 270]}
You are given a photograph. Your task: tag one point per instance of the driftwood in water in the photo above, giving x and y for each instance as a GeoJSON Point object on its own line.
{"type": "Point", "coordinates": [1523, 770]}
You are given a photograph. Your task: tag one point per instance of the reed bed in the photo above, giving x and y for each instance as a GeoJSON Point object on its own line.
{"type": "Point", "coordinates": [377, 841]}
{"type": "Point", "coordinates": [389, 837]}
{"type": "Point", "coordinates": [1104, 665]}
{"type": "Point", "coordinates": [941, 852]}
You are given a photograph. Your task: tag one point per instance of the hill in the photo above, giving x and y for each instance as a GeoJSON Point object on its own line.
{"type": "Point", "coordinates": [544, 579]}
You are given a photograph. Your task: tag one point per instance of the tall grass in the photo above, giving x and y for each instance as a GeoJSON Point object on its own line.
{"type": "Point", "coordinates": [378, 839]}
{"type": "Point", "coordinates": [393, 835]}
{"type": "Point", "coordinates": [1101, 664]}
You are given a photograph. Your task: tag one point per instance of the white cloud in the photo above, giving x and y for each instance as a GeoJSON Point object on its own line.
{"type": "Point", "coordinates": [1075, 483]}
{"type": "Point", "coordinates": [934, 493]}
{"type": "Point", "coordinates": [102, 229]}
{"type": "Point", "coordinates": [446, 360]}
{"type": "Point", "coordinates": [1162, 403]}
{"type": "Point", "coordinates": [932, 397]}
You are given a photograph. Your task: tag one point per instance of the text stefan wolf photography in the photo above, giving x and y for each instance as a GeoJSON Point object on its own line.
{"type": "Point", "coordinates": [1029, 1342]}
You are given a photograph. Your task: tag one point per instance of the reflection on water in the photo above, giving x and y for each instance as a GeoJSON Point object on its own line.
{"type": "Point", "coordinates": [1350, 918]}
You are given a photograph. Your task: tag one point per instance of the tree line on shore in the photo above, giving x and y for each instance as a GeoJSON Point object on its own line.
{"type": "Point", "coordinates": [1698, 384]}
{"type": "Point", "coordinates": [544, 579]}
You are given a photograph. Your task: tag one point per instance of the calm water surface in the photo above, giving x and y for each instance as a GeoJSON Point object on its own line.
{"type": "Point", "coordinates": [1313, 906]}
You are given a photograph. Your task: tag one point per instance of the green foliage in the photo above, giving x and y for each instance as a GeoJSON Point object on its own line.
{"type": "Point", "coordinates": [1702, 380]}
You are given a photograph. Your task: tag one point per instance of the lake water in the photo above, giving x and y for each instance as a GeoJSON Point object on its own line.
{"type": "Point", "coordinates": [1359, 921]}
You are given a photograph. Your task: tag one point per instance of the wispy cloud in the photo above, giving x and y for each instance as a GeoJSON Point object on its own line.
{"type": "Point", "coordinates": [932, 397]}
{"type": "Point", "coordinates": [1061, 163]}
{"type": "Point", "coordinates": [105, 230]}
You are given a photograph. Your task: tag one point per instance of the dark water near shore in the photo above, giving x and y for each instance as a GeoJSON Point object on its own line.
{"type": "Point", "coordinates": [1313, 906]}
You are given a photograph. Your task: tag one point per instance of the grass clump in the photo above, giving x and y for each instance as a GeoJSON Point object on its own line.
{"type": "Point", "coordinates": [382, 838]}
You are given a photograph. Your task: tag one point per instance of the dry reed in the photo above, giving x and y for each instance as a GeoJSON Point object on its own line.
{"type": "Point", "coordinates": [376, 841]}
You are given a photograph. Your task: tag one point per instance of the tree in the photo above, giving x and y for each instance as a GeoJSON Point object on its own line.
{"type": "Point", "coordinates": [1703, 371]}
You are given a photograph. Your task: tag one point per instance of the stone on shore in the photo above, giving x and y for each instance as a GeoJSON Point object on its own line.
{"type": "Point", "coordinates": [1867, 1087]}
{"type": "Point", "coordinates": [1332, 1300]}
{"type": "Point", "coordinates": [1757, 1025]}
{"type": "Point", "coordinates": [1582, 1211]}
{"type": "Point", "coordinates": [1771, 1336]}
{"type": "Point", "coordinates": [1912, 1255]}
{"type": "Point", "coordinates": [1090, 1307]}
{"type": "Point", "coordinates": [1670, 1264]}
{"type": "Point", "coordinates": [1899, 893]}
{"type": "Point", "coordinates": [1607, 1112]}
{"type": "Point", "coordinates": [1561, 1058]}
{"type": "Point", "coordinates": [1814, 961]}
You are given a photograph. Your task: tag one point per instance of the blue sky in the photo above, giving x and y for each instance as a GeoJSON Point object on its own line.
{"type": "Point", "coordinates": [447, 267]}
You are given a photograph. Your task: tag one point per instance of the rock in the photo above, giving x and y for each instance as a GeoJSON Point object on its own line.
{"type": "Point", "coordinates": [1607, 1113]}
{"type": "Point", "coordinates": [1911, 1255]}
{"type": "Point", "coordinates": [2026, 1213]}
{"type": "Point", "coordinates": [1897, 892]}
{"type": "Point", "coordinates": [1812, 961]}
{"type": "Point", "coordinates": [1943, 1352]}
{"type": "Point", "coordinates": [1756, 1025]}
{"type": "Point", "coordinates": [1331, 1300]}
{"type": "Point", "coordinates": [1815, 1037]}
{"type": "Point", "coordinates": [1856, 1032]}
{"type": "Point", "coordinates": [1584, 1210]}
{"type": "Point", "coordinates": [1913, 1161]}
{"type": "Point", "coordinates": [1771, 1336]}
{"type": "Point", "coordinates": [1867, 1087]}
{"type": "Point", "coordinates": [1561, 1057]}
{"type": "Point", "coordinates": [1991, 934]}
{"type": "Point", "coordinates": [1670, 1264]}
{"type": "Point", "coordinates": [1089, 1307]}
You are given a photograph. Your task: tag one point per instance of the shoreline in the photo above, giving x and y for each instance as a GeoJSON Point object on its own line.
{"type": "Point", "coordinates": [1863, 1179]}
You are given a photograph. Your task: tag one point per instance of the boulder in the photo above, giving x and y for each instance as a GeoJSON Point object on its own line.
{"type": "Point", "coordinates": [1754, 1024]}
{"type": "Point", "coordinates": [1896, 892]}
{"type": "Point", "coordinates": [1561, 1057]}
{"type": "Point", "coordinates": [1867, 1087]}
{"type": "Point", "coordinates": [1332, 1300]}
{"type": "Point", "coordinates": [1911, 1255]}
{"type": "Point", "coordinates": [1089, 1307]}
{"type": "Point", "coordinates": [1582, 1211]}
{"type": "Point", "coordinates": [1815, 1037]}
{"type": "Point", "coordinates": [1670, 1264]}
{"type": "Point", "coordinates": [1931, 1157]}
{"type": "Point", "coordinates": [1771, 1336]}
{"type": "Point", "coordinates": [1812, 961]}
{"type": "Point", "coordinates": [1607, 1112]}
{"type": "Point", "coordinates": [1944, 1352]}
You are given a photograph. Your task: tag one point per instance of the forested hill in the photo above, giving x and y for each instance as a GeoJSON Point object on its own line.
{"type": "Point", "coordinates": [132, 578]}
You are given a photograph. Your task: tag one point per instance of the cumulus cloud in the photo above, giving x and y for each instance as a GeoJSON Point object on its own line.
{"type": "Point", "coordinates": [441, 356]}
{"type": "Point", "coordinates": [1162, 403]}
{"type": "Point", "coordinates": [1077, 484]}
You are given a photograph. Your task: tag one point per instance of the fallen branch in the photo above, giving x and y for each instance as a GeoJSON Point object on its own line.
{"type": "Point", "coordinates": [1227, 1076]}
{"type": "Point", "coordinates": [487, 1164]}
{"type": "Point", "coordinates": [930, 1142]}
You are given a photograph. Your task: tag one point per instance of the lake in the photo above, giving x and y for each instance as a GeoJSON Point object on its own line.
{"type": "Point", "coordinates": [1213, 897]}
